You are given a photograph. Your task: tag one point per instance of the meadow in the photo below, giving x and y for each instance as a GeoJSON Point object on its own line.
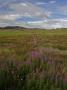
{"type": "Point", "coordinates": [33, 59]}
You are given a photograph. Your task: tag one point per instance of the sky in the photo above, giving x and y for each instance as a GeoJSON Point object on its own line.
{"type": "Point", "coordinates": [34, 13]}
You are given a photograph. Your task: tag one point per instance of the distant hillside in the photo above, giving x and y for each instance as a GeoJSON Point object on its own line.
{"type": "Point", "coordinates": [12, 27]}
{"type": "Point", "coordinates": [24, 28]}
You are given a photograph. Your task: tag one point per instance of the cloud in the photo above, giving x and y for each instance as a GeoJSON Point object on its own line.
{"type": "Point", "coordinates": [44, 24]}
{"type": "Point", "coordinates": [48, 24]}
{"type": "Point", "coordinates": [18, 10]}
{"type": "Point", "coordinates": [63, 9]}
{"type": "Point", "coordinates": [41, 3]}
{"type": "Point", "coordinates": [52, 2]}
{"type": "Point", "coordinates": [9, 17]}
{"type": "Point", "coordinates": [29, 9]}
{"type": "Point", "coordinates": [6, 3]}
{"type": "Point", "coordinates": [44, 3]}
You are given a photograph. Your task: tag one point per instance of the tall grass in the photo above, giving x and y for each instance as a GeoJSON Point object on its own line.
{"type": "Point", "coordinates": [37, 75]}
{"type": "Point", "coordinates": [33, 60]}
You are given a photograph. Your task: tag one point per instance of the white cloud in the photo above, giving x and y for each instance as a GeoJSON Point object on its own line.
{"type": "Point", "coordinates": [5, 3]}
{"type": "Point", "coordinates": [63, 9]}
{"type": "Point", "coordinates": [49, 24]}
{"type": "Point", "coordinates": [10, 17]}
{"type": "Point", "coordinates": [23, 10]}
{"type": "Point", "coordinates": [44, 3]}
{"type": "Point", "coordinates": [52, 2]}
{"type": "Point", "coordinates": [24, 4]}
{"type": "Point", "coordinates": [41, 3]}
{"type": "Point", "coordinates": [45, 24]}
{"type": "Point", "coordinates": [30, 9]}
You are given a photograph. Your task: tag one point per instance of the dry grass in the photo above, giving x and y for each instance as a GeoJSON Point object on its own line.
{"type": "Point", "coordinates": [44, 51]}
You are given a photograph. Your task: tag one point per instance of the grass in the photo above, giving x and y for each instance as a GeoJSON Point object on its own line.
{"type": "Point", "coordinates": [33, 59]}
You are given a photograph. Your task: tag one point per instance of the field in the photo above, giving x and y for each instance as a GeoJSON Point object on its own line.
{"type": "Point", "coordinates": [33, 59]}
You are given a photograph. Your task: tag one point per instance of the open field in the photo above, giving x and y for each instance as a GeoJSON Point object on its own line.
{"type": "Point", "coordinates": [40, 57]}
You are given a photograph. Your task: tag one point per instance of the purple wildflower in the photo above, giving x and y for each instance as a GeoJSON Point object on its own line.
{"type": "Point", "coordinates": [65, 79]}
{"type": "Point", "coordinates": [35, 54]}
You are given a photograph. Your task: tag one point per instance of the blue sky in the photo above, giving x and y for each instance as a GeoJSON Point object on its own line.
{"type": "Point", "coordinates": [34, 13]}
